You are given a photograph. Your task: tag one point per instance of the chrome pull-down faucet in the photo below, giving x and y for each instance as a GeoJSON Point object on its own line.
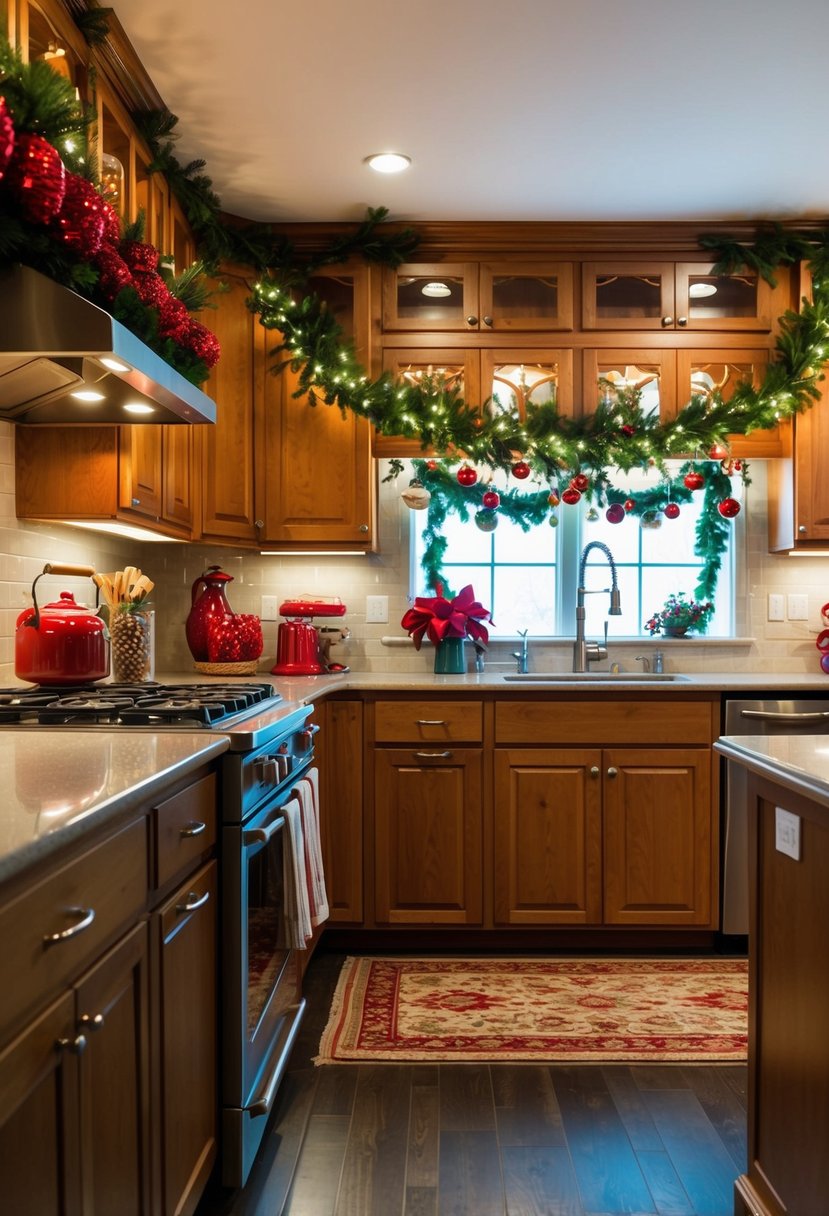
{"type": "Point", "coordinates": [522, 656]}
{"type": "Point", "coordinates": [585, 652]}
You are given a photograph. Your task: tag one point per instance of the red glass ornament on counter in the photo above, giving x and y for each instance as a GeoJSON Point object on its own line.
{"type": "Point", "coordinates": [208, 600]}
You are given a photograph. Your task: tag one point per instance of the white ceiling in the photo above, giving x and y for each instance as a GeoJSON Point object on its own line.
{"type": "Point", "coordinates": [509, 109]}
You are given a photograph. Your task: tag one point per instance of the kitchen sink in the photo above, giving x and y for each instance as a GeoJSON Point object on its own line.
{"type": "Point", "coordinates": [595, 677]}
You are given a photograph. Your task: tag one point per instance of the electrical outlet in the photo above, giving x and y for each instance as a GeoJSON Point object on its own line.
{"type": "Point", "coordinates": [777, 608]}
{"type": "Point", "coordinates": [787, 833]}
{"type": "Point", "coordinates": [377, 609]}
{"type": "Point", "coordinates": [269, 607]}
{"type": "Point", "coordinates": [798, 608]}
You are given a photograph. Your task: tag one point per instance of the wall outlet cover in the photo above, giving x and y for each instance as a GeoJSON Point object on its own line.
{"type": "Point", "coordinates": [269, 607]}
{"type": "Point", "coordinates": [377, 609]}
{"type": "Point", "coordinates": [798, 607]}
{"type": "Point", "coordinates": [777, 608]}
{"type": "Point", "coordinates": [787, 833]}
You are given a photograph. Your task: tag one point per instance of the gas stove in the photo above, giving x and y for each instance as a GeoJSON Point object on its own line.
{"type": "Point", "coordinates": [249, 713]}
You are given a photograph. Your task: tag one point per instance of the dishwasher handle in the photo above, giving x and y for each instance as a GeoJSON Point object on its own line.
{"type": "Point", "coordinates": [803, 717]}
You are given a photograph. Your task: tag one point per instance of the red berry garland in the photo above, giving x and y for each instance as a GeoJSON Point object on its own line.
{"type": "Point", "coordinates": [6, 136]}
{"type": "Point", "coordinates": [151, 288]}
{"type": "Point", "coordinates": [80, 221]}
{"type": "Point", "coordinates": [36, 178]}
{"type": "Point", "coordinates": [203, 343]}
{"type": "Point", "coordinates": [114, 273]}
{"type": "Point", "coordinates": [139, 256]}
{"type": "Point", "coordinates": [112, 224]}
{"type": "Point", "coordinates": [173, 319]}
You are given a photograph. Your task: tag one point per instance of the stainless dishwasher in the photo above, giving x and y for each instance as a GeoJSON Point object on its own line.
{"type": "Point", "coordinates": [809, 716]}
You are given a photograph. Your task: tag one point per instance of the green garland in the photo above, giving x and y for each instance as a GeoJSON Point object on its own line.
{"type": "Point", "coordinates": [529, 509]}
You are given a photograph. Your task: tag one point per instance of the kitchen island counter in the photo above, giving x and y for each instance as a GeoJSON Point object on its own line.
{"type": "Point", "coordinates": [799, 763]}
{"type": "Point", "coordinates": [59, 784]}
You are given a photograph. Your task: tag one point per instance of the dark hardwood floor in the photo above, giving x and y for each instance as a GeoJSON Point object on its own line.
{"type": "Point", "coordinates": [492, 1140]}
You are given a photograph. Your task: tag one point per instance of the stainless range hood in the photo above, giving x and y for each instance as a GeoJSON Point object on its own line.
{"type": "Point", "coordinates": [64, 360]}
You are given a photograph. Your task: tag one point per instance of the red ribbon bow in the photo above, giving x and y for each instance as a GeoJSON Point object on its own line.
{"type": "Point", "coordinates": [441, 618]}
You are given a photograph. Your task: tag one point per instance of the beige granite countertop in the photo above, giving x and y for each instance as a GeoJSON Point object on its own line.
{"type": "Point", "coordinates": [57, 784]}
{"type": "Point", "coordinates": [797, 762]}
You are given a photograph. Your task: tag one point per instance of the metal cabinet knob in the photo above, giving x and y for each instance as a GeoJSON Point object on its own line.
{"type": "Point", "coordinates": [363, 528]}
{"type": "Point", "coordinates": [136, 502]}
{"type": "Point", "coordinates": [682, 320]}
{"type": "Point", "coordinates": [259, 524]}
{"type": "Point", "coordinates": [612, 772]}
{"type": "Point", "coordinates": [488, 321]}
{"type": "Point", "coordinates": [472, 320]}
{"type": "Point", "coordinates": [91, 1023]}
{"type": "Point", "coordinates": [76, 1045]}
{"type": "Point", "coordinates": [594, 770]}
{"type": "Point", "coordinates": [802, 529]}
{"type": "Point", "coordinates": [667, 321]}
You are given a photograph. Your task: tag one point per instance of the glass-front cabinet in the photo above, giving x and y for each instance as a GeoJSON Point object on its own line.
{"type": "Point", "coordinates": [479, 297]}
{"type": "Point", "coordinates": [674, 296]}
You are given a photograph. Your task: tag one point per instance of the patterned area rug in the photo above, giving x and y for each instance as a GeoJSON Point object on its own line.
{"type": "Point", "coordinates": [538, 1009]}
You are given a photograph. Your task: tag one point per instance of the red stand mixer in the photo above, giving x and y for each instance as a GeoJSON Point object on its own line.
{"type": "Point", "coordinates": [301, 649]}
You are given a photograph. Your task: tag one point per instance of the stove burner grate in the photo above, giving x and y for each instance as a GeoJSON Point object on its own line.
{"type": "Point", "coordinates": [146, 704]}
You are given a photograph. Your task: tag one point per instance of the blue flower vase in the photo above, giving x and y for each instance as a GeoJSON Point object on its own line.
{"type": "Point", "coordinates": [450, 659]}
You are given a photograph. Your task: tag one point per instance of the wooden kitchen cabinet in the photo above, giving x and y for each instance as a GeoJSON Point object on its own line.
{"type": "Point", "coordinates": [677, 296]}
{"type": "Point", "coordinates": [341, 805]}
{"type": "Point", "coordinates": [141, 475]}
{"type": "Point", "coordinates": [478, 297]}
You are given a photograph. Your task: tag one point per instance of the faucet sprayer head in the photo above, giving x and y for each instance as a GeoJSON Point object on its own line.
{"type": "Point", "coordinates": [615, 608]}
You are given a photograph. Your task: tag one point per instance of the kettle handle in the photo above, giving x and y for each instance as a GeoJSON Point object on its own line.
{"type": "Point", "coordinates": [201, 581]}
{"type": "Point", "coordinates": [54, 568]}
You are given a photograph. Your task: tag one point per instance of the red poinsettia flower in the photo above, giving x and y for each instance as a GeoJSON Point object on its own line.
{"type": "Point", "coordinates": [440, 618]}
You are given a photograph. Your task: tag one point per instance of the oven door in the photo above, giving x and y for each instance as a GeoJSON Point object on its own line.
{"type": "Point", "coordinates": [260, 986]}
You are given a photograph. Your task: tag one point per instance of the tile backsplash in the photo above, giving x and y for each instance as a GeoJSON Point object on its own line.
{"type": "Point", "coordinates": [787, 645]}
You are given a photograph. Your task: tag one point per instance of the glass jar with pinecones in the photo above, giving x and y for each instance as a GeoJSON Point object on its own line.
{"type": "Point", "coordinates": [131, 624]}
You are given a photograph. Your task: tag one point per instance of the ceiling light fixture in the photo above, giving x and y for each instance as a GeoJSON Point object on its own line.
{"type": "Point", "coordinates": [388, 162]}
{"type": "Point", "coordinates": [138, 407]}
{"type": "Point", "coordinates": [698, 291]}
{"type": "Point", "coordinates": [87, 394]}
{"type": "Point", "coordinates": [114, 365]}
{"type": "Point", "coordinates": [435, 289]}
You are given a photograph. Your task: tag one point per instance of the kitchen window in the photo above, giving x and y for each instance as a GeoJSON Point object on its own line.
{"type": "Point", "coordinates": [528, 580]}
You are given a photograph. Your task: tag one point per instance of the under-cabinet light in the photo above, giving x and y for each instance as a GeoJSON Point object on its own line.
{"type": "Point", "coordinates": [138, 407]}
{"type": "Point", "coordinates": [312, 553]}
{"type": "Point", "coordinates": [112, 528]}
{"type": "Point", "coordinates": [87, 394]}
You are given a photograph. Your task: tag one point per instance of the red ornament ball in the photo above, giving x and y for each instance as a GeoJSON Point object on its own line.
{"type": "Point", "coordinates": [203, 343]}
{"type": "Point", "coordinates": [6, 136]}
{"type": "Point", "coordinates": [491, 499]}
{"type": "Point", "coordinates": [114, 273]}
{"type": "Point", "coordinates": [431, 465]}
{"type": "Point", "coordinates": [672, 511]}
{"type": "Point", "coordinates": [693, 480]}
{"type": "Point", "coordinates": [571, 496]}
{"type": "Point", "coordinates": [554, 498]}
{"type": "Point", "coordinates": [728, 508]}
{"type": "Point", "coordinates": [36, 178]}
{"type": "Point", "coordinates": [629, 504]}
{"type": "Point", "coordinates": [466, 475]}
{"type": "Point", "coordinates": [521, 470]}
{"type": "Point", "coordinates": [80, 222]}
{"type": "Point", "coordinates": [580, 482]}
{"type": "Point", "coordinates": [615, 513]}
{"type": "Point", "coordinates": [718, 451]}
{"type": "Point", "coordinates": [628, 431]}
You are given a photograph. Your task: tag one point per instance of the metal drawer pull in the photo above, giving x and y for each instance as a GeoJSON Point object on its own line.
{"type": "Point", "coordinates": [193, 829]}
{"type": "Point", "coordinates": [76, 1045]}
{"type": "Point", "coordinates": [594, 770]}
{"type": "Point", "coordinates": [87, 916]}
{"type": "Point", "coordinates": [613, 772]}
{"type": "Point", "coordinates": [193, 901]}
{"type": "Point", "coordinates": [91, 1023]}
{"type": "Point", "coordinates": [429, 722]}
{"type": "Point", "coordinates": [262, 1104]}
{"type": "Point", "coordinates": [263, 835]}
{"type": "Point", "coordinates": [816, 715]}
{"type": "Point", "coordinates": [433, 755]}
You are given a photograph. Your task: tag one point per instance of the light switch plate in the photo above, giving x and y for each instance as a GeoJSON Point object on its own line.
{"type": "Point", "coordinates": [777, 608]}
{"type": "Point", "coordinates": [269, 607]}
{"type": "Point", "coordinates": [787, 833]}
{"type": "Point", "coordinates": [377, 609]}
{"type": "Point", "coordinates": [798, 608]}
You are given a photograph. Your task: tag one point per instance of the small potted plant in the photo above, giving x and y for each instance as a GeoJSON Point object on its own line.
{"type": "Point", "coordinates": [679, 616]}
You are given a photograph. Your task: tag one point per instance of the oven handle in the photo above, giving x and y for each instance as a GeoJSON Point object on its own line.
{"type": "Point", "coordinates": [263, 835]}
{"type": "Point", "coordinates": [263, 1104]}
{"type": "Point", "coordinates": [817, 715]}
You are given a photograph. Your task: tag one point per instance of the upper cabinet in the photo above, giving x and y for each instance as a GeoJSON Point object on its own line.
{"type": "Point", "coordinates": [478, 297]}
{"type": "Point", "coordinates": [674, 296]}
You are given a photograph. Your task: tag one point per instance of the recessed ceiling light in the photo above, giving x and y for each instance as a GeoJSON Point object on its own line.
{"type": "Point", "coordinates": [697, 291]}
{"type": "Point", "coordinates": [138, 407]}
{"type": "Point", "coordinates": [87, 394]}
{"type": "Point", "coordinates": [435, 289]}
{"type": "Point", "coordinates": [114, 365]}
{"type": "Point", "coordinates": [388, 162]}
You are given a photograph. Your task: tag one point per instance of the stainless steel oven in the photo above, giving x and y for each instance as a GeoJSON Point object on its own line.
{"type": "Point", "coordinates": [766, 716]}
{"type": "Point", "coordinates": [271, 747]}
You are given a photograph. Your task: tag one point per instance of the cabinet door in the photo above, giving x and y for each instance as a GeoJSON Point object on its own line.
{"type": "Point", "coordinates": [525, 296]}
{"type": "Point", "coordinates": [318, 484]}
{"type": "Point", "coordinates": [431, 297]}
{"type": "Point", "coordinates": [457, 368]}
{"type": "Point", "coordinates": [140, 469]}
{"type": "Point", "coordinates": [342, 808]}
{"type": "Point", "coordinates": [703, 372]}
{"type": "Point", "coordinates": [227, 450]}
{"type": "Point", "coordinates": [39, 1117]}
{"type": "Point", "coordinates": [186, 929]}
{"type": "Point", "coordinates": [428, 836]}
{"type": "Point", "coordinates": [548, 837]}
{"type": "Point", "coordinates": [514, 379]}
{"type": "Point", "coordinates": [659, 839]}
{"type": "Point", "coordinates": [180, 497]}
{"type": "Point", "coordinates": [811, 442]}
{"type": "Point", "coordinates": [733, 302]}
{"type": "Point", "coordinates": [627, 295]}
{"type": "Point", "coordinates": [651, 371]}
{"type": "Point", "coordinates": [113, 1014]}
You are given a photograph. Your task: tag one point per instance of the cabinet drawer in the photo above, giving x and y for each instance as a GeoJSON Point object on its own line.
{"type": "Point", "coordinates": [428, 722]}
{"type": "Point", "coordinates": [600, 723]}
{"type": "Point", "coordinates": [107, 887]}
{"type": "Point", "coordinates": [185, 829]}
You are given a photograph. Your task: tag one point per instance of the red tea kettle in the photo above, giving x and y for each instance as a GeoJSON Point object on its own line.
{"type": "Point", "coordinates": [63, 642]}
{"type": "Point", "coordinates": [208, 599]}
